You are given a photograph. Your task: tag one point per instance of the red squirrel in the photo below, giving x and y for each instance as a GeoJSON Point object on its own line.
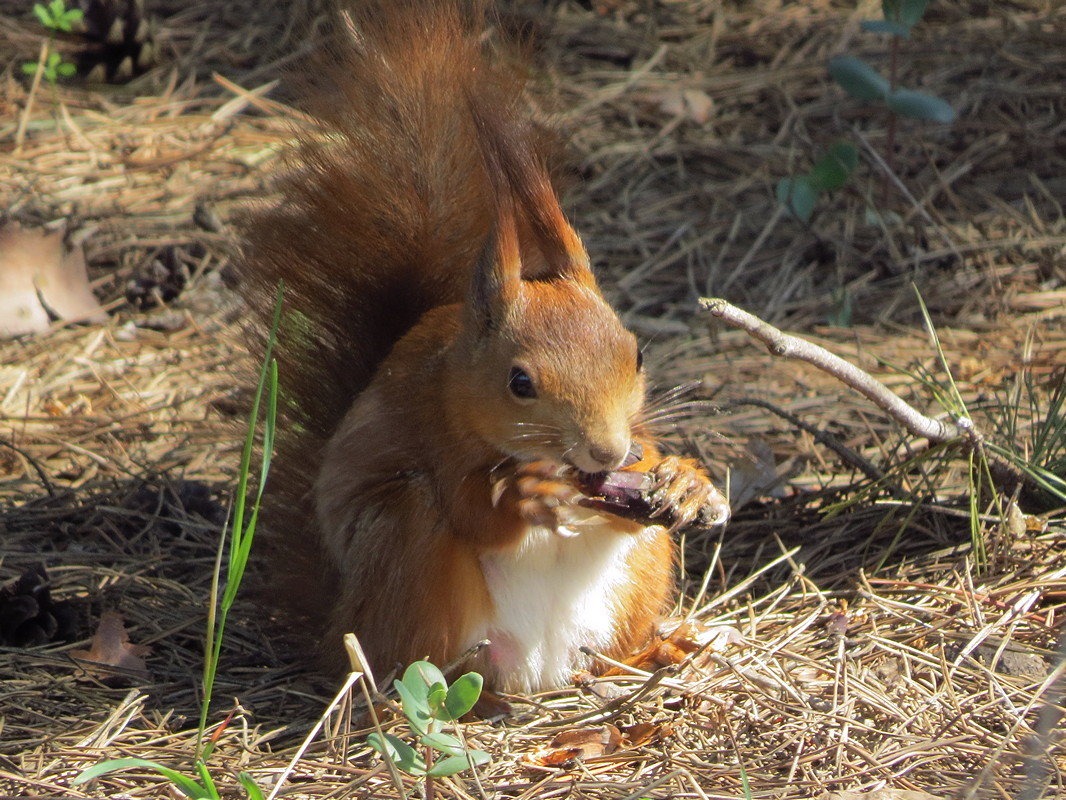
{"type": "Point", "coordinates": [450, 372]}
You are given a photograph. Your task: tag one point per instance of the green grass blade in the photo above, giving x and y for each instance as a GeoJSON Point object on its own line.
{"type": "Point", "coordinates": [250, 786]}
{"type": "Point", "coordinates": [185, 785]}
{"type": "Point", "coordinates": [956, 396]}
{"type": "Point", "coordinates": [241, 537]}
{"type": "Point", "coordinates": [209, 782]}
{"type": "Point", "coordinates": [242, 549]}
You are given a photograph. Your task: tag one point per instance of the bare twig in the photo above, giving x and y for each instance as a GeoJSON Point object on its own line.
{"type": "Point", "coordinates": [33, 463]}
{"type": "Point", "coordinates": [24, 120]}
{"type": "Point", "coordinates": [788, 346]}
{"type": "Point", "coordinates": [849, 456]}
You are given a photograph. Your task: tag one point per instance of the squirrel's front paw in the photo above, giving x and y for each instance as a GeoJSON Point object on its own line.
{"type": "Point", "coordinates": [683, 493]}
{"type": "Point", "coordinates": [541, 488]}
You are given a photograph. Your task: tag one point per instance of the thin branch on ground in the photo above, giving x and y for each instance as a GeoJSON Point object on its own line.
{"type": "Point", "coordinates": [847, 455]}
{"type": "Point", "coordinates": [787, 346]}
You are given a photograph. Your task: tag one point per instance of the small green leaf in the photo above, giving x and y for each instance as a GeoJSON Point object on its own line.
{"type": "Point", "coordinates": [885, 26]}
{"type": "Point", "coordinates": [919, 105]}
{"type": "Point", "coordinates": [187, 786]}
{"type": "Point", "coordinates": [66, 69]}
{"type": "Point", "coordinates": [415, 707]}
{"type": "Point", "coordinates": [858, 78]}
{"type": "Point", "coordinates": [29, 67]}
{"type": "Point", "coordinates": [463, 694]}
{"type": "Point", "coordinates": [42, 15]}
{"type": "Point", "coordinates": [402, 754]}
{"type": "Point", "coordinates": [845, 153]}
{"type": "Point", "coordinates": [444, 742]}
{"type": "Point", "coordinates": [429, 673]}
{"type": "Point", "coordinates": [208, 781]}
{"type": "Point", "coordinates": [453, 764]}
{"type": "Point", "coordinates": [832, 170]}
{"type": "Point", "coordinates": [911, 12]}
{"type": "Point", "coordinates": [437, 695]}
{"type": "Point", "coordinates": [58, 7]}
{"type": "Point", "coordinates": [53, 60]}
{"type": "Point", "coordinates": [478, 757]}
{"type": "Point", "coordinates": [798, 196]}
{"type": "Point", "coordinates": [250, 786]}
{"type": "Point", "coordinates": [74, 15]}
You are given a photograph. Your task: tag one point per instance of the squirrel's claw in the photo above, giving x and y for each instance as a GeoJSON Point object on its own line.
{"type": "Point", "coordinates": [541, 491]}
{"type": "Point", "coordinates": [683, 492]}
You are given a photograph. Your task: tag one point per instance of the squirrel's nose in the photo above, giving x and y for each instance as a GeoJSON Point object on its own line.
{"type": "Point", "coordinates": [601, 456]}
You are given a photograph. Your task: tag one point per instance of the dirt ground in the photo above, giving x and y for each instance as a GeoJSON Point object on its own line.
{"type": "Point", "coordinates": [864, 644]}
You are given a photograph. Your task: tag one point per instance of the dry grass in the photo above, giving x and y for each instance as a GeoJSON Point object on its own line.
{"type": "Point", "coordinates": [876, 653]}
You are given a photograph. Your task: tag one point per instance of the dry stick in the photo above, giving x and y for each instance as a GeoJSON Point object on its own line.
{"type": "Point", "coordinates": [358, 662]}
{"type": "Point", "coordinates": [849, 456]}
{"type": "Point", "coordinates": [351, 679]}
{"type": "Point", "coordinates": [24, 120]}
{"type": "Point", "coordinates": [33, 463]}
{"type": "Point", "coordinates": [787, 346]}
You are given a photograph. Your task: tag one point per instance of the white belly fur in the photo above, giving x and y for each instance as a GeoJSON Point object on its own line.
{"type": "Point", "coordinates": [553, 594]}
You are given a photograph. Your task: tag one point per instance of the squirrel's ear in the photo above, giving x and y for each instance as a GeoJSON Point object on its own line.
{"type": "Point", "coordinates": [516, 171]}
{"type": "Point", "coordinates": [497, 274]}
{"type": "Point", "coordinates": [564, 255]}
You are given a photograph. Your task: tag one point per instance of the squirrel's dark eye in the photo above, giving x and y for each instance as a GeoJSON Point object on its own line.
{"type": "Point", "coordinates": [520, 384]}
{"type": "Point", "coordinates": [640, 360]}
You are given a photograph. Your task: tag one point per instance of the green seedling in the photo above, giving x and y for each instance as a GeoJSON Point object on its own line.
{"type": "Point", "coordinates": [52, 69]}
{"type": "Point", "coordinates": [430, 704]}
{"type": "Point", "coordinates": [57, 18]}
{"type": "Point", "coordinates": [241, 533]}
{"type": "Point", "coordinates": [865, 83]}
{"type": "Point", "coordinates": [799, 195]}
{"type": "Point", "coordinates": [1031, 434]}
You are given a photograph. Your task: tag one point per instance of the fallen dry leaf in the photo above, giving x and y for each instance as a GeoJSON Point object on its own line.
{"type": "Point", "coordinates": [579, 744]}
{"type": "Point", "coordinates": [644, 732]}
{"type": "Point", "coordinates": [757, 475]}
{"type": "Point", "coordinates": [576, 745]}
{"type": "Point", "coordinates": [678, 644]}
{"type": "Point", "coordinates": [111, 648]}
{"type": "Point", "coordinates": [692, 104]}
{"type": "Point", "coordinates": [40, 280]}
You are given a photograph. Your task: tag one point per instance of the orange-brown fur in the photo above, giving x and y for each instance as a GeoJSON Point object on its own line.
{"type": "Point", "coordinates": [423, 246]}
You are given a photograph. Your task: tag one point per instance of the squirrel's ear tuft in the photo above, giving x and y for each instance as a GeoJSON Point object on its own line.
{"type": "Point", "coordinates": [497, 274]}
{"type": "Point", "coordinates": [564, 255]}
{"type": "Point", "coordinates": [519, 178]}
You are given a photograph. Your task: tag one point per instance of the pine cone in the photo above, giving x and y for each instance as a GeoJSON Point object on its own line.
{"type": "Point", "coordinates": [28, 615]}
{"type": "Point", "coordinates": [122, 40]}
{"type": "Point", "coordinates": [164, 277]}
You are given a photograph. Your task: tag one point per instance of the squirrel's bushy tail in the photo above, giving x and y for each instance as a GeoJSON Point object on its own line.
{"type": "Point", "coordinates": [385, 203]}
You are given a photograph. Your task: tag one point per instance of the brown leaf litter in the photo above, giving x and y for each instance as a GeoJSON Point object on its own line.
{"type": "Point", "coordinates": [875, 656]}
{"type": "Point", "coordinates": [111, 653]}
{"type": "Point", "coordinates": [41, 279]}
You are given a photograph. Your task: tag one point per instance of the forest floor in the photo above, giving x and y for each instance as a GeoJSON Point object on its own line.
{"type": "Point", "coordinates": [859, 636]}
